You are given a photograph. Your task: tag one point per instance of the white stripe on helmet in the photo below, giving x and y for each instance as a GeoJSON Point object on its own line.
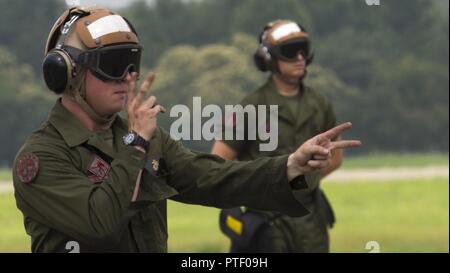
{"type": "Point", "coordinates": [108, 24]}
{"type": "Point", "coordinates": [285, 30]}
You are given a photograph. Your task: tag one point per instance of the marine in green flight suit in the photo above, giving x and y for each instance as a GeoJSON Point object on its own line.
{"type": "Point", "coordinates": [73, 198]}
{"type": "Point", "coordinates": [302, 114]}
{"type": "Point", "coordinates": [89, 177]}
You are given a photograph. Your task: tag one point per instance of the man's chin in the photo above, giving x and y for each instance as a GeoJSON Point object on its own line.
{"type": "Point", "coordinates": [115, 110]}
{"type": "Point", "coordinates": [295, 79]}
{"type": "Point", "coordinates": [299, 73]}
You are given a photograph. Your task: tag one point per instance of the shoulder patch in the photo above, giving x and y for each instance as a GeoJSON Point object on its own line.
{"type": "Point", "coordinates": [27, 167]}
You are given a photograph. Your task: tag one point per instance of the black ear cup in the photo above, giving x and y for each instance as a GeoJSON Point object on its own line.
{"type": "Point", "coordinates": [262, 58]}
{"type": "Point", "coordinates": [57, 69]}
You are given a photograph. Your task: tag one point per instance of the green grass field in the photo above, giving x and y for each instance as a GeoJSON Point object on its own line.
{"type": "Point", "coordinates": [5, 174]}
{"type": "Point", "coordinates": [395, 160]}
{"type": "Point", "coordinates": [402, 216]}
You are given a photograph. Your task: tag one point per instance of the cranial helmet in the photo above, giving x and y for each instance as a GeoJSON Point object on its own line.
{"type": "Point", "coordinates": [91, 38]}
{"type": "Point", "coordinates": [282, 40]}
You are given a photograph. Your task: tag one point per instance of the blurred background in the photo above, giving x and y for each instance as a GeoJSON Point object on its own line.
{"type": "Point", "coordinates": [385, 68]}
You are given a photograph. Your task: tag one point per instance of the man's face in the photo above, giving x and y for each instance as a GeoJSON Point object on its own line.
{"type": "Point", "coordinates": [292, 71]}
{"type": "Point", "coordinates": [106, 97]}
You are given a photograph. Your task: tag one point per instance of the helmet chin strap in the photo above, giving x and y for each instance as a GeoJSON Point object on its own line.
{"type": "Point", "coordinates": [91, 113]}
{"type": "Point", "coordinates": [79, 94]}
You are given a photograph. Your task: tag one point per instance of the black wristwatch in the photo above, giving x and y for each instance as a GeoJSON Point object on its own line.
{"type": "Point", "coordinates": [133, 139]}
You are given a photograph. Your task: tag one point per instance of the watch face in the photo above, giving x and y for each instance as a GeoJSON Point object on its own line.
{"type": "Point", "coordinates": [128, 138]}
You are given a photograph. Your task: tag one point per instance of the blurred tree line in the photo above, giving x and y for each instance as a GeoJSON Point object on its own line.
{"type": "Point", "coordinates": [384, 67]}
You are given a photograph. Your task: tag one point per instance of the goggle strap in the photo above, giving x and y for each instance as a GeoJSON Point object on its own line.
{"type": "Point", "coordinates": [77, 55]}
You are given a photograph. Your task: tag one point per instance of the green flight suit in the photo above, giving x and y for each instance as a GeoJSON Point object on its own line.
{"type": "Point", "coordinates": [82, 186]}
{"type": "Point", "coordinates": [313, 116]}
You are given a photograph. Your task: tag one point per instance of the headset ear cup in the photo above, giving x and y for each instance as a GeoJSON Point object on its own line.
{"type": "Point", "coordinates": [262, 59]}
{"type": "Point", "coordinates": [57, 70]}
{"type": "Point", "coordinates": [259, 62]}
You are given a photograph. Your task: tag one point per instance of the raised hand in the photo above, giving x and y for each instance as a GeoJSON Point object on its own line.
{"type": "Point", "coordinates": [315, 153]}
{"type": "Point", "coordinates": [142, 112]}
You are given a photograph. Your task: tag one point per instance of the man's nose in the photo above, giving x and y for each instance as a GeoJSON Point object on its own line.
{"type": "Point", "coordinates": [300, 56]}
{"type": "Point", "coordinates": [127, 76]}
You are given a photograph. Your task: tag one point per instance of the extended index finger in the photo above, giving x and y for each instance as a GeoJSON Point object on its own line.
{"type": "Point", "coordinates": [146, 85]}
{"type": "Point", "coordinates": [336, 131]}
{"type": "Point", "coordinates": [131, 87]}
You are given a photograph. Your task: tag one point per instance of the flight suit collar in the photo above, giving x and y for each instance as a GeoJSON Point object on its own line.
{"type": "Point", "coordinates": [75, 133]}
{"type": "Point", "coordinates": [68, 125]}
{"type": "Point", "coordinates": [273, 97]}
